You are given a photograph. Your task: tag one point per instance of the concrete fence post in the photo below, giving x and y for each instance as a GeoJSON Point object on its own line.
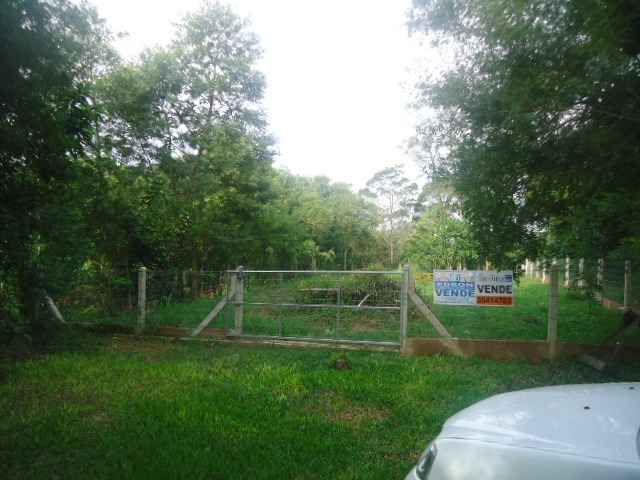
{"type": "Point", "coordinates": [600, 275]}
{"type": "Point", "coordinates": [404, 305]}
{"type": "Point", "coordinates": [627, 285]}
{"type": "Point", "coordinates": [142, 300]}
{"type": "Point", "coordinates": [239, 300]}
{"type": "Point", "coordinates": [567, 272]}
{"type": "Point", "coordinates": [552, 317]}
{"type": "Point", "coordinates": [581, 273]}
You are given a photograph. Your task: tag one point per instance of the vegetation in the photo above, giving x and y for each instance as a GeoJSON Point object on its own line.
{"type": "Point", "coordinates": [536, 122]}
{"type": "Point", "coordinates": [148, 409]}
{"type": "Point", "coordinates": [165, 161]}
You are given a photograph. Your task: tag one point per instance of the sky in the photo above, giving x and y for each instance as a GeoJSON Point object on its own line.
{"type": "Point", "coordinates": [339, 76]}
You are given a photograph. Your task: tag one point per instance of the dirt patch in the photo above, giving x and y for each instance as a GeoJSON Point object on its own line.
{"type": "Point", "coordinates": [149, 347]}
{"type": "Point", "coordinates": [337, 408]}
{"type": "Point", "coordinates": [366, 325]}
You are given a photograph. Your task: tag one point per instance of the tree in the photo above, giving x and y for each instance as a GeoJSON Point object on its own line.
{"type": "Point", "coordinates": [396, 197]}
{"type": "Point", "coordinates": [217, 54]}
{"type": "Point", "coordinates": [536, 123]}
{"type": "Point", "coordinates": [441, 239]}
{"type": "Point", "coordinates": [44, 123]}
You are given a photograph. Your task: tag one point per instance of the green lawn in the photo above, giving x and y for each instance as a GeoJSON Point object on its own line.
{"type": "Point", "coordinates": [125, 408]}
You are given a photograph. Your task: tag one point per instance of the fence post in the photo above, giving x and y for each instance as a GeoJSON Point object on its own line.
{"type": "Point", "coordinates": [567, 272]}
{"type": "Point", "coordinates": [552, 317]}
{"type": "Point", "coordinates": [627, 284]}
{"type": "Point", "coordinates": [600, 276]}
{"type": "Point", "coordinates": [239, 300]}
{"type": "Point", "coordinates": [185, 277]}
{"type": "Point", "coordinates": [404, 305]}
{"type": "Point", "coordinates": [142, 299]}
{"type": "Point", "coordinates": [339, 304]}
{"type": "Point", "coordinates": [581, 273]}
{"type": "Point", "coordinates": [545, 271]}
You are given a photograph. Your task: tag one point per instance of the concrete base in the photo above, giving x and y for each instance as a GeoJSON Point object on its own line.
{"type": "Point", "coordinates": [534, 350]}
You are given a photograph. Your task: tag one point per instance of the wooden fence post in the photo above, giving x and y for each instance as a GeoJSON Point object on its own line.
{"type": "Point", "coordinates": [404, 305]}
{"type": "Point", "coordinates": [567, 272]}
{"type": "Point", "coordinates": [142, 299]}
{"type": "Point", "coordinates": [627, 284]}
{"type": "Point", "coordinates": [239, 300]}
{"type": "Point", "coordinates": [552, 317]}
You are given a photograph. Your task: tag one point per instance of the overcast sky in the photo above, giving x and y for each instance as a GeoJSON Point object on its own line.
{"type": "Point", "coordinates": [338, 76]}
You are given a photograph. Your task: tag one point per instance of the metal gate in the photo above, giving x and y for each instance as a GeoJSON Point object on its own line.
{"type": "Point", "coordinates": [318, 305]}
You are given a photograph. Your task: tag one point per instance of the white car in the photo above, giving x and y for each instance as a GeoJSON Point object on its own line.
{"type": "Point", "coordinates": [577, 432]}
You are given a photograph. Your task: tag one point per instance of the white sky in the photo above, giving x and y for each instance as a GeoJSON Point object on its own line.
{"type": "Point", "coordinates": [337, 74]}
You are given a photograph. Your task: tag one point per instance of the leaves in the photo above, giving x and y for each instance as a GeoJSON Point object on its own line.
{"type": "Point", "coordinates": [537, 117]}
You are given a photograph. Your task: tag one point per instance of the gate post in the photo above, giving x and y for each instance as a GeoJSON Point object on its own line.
{"type": "Point", "coordinates": [552, 317]}
{"type": "Point", "coordinates": [404, 305]}
{"type": "Point", "coordinates": [627, 285]}
{"type": "Point", "coordinates": [142, 300]}
{"type": "Point", "coordinates": [238, 278]}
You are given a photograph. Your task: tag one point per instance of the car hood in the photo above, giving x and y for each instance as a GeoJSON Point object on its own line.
{"type": "Point", "coordinates": [599, 420]}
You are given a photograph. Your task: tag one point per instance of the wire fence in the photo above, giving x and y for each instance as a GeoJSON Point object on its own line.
{"type": "Point", "coordinates": [360, 305]}
{"type": "Point", "coordinates": [590, 309]}
{"type": "Point", "coordinates": [100, 296]}
{"type": "Point", "coordinates": [526, 319]}
{"type": "Point", "coordinates": [176, 298]}
{"type": "Point", "coordinates": [333, 305]}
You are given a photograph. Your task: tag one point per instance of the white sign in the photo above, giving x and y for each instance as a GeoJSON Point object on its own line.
{"type": "Point", "coordinates": [473, 287]}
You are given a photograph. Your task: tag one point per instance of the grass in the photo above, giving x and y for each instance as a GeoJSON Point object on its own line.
{"type": "Point", "coordinates": [125, 408]}
{"type": "Point", "coordinates": [581, 319]}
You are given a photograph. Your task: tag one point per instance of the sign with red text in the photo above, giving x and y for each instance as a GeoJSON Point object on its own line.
{"type": "Point", "coordinates": [473, 288]}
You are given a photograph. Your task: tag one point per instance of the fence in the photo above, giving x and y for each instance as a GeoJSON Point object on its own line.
{"type": "Point", "coordinates": [587, 307]}
{"type": "Point", "coordinates": [350, 306]}
{"type": "Point", "coordinates": [354, 306]}
{"type": "Point", "coordinates": [526, 320]}
{"type": "Point", "coordinates": [614, 283]}
{"type": "Point", "coordinates": [363, 306]}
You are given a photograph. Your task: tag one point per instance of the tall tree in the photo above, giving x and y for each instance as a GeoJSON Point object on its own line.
{"type": "Point", "coordinates": [44, 123]}
{"type": "Point", "coordinates": [396, 198]}
{"type": "Point", "coordinates": [537, 120]}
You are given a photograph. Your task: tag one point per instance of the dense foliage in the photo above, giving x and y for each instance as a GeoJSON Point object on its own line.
{"type": "Point", "coordinates": [537, 121]}
{"type": "Point", "coordinates": [164, 161]}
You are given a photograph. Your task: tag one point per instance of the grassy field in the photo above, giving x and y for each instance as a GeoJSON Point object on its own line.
{"type": "Point", "coordinates": [581, 319]}
{"type": "Point", "coordinates": [124, 408]}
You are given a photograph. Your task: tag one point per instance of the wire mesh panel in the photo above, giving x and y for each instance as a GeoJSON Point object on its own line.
{"type": "Point", "coordinates": [184, 298]}
{"type": "Point", "coordinates": [613, 281]}
{"type": "Point", "coordinates": [100, 295]}
{"type": "Point", "coordinates": [337, 305]}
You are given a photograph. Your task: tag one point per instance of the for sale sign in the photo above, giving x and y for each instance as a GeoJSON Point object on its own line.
{"type": "Point", "coordinates": [473, 287]}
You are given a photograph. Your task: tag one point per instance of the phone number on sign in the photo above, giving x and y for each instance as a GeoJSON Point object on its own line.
{"type": "Point", "coordinates": [482, 300]}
